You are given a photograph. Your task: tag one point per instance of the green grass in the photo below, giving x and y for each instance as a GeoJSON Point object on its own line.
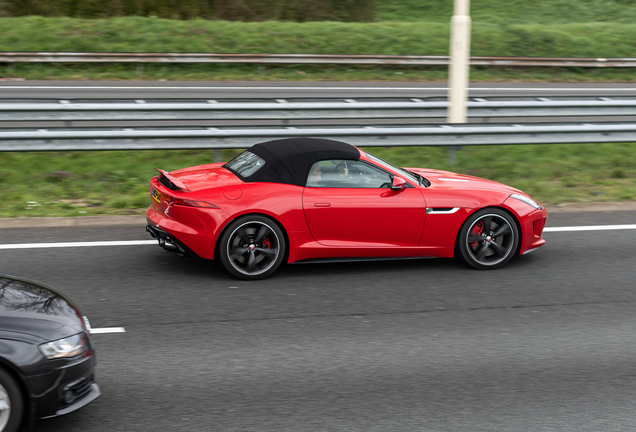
{"type": "Point", "coordinates": [134, 34]}
{"type": "Point", "coordinates": [517, 11]}
{"type": "Point", "coordinates": [312, 73]}
{"type": "Point", "coordinates": [107, 183]}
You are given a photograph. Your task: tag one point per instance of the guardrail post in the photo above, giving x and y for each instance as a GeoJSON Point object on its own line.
{"type": "Point", "coordinates": [458, 69]}
{"type": "Point", "coordinates": [452, 154]}
{"type": "Point", "coordinates": [140, 68]}
{"type": "Point", "coordinates": [218, 156]}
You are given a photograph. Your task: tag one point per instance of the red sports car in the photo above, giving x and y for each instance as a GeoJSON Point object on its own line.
{"type": "Point", "coordinates": [305, 199]}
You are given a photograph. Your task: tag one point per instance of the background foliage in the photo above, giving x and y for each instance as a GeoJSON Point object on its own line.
{"type": "Point", "coordinates": [93, 183]}
{"type": "Point", "coordinates": [481, 11]}
{"type": "Point", "coordinates": [233, 10]}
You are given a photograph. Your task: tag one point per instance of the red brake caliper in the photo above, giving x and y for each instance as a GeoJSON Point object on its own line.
{"type": "Point", "coordinates": [478, 228]}
{"type": "Point", "coordinates": [266, 244]}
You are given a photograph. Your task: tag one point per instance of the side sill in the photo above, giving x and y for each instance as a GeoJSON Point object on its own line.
{"type": "Point", "coordinates": [355, 259]}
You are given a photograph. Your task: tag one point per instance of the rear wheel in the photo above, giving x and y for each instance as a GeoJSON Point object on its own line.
{"type": "Point", "coordinates": [488, 239]}
{"type": "Point", "coordinates": [11, 404]}
{"type": "Point", "coordinates": [252, 247]}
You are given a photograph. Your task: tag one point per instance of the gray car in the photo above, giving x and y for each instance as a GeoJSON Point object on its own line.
{"type": "Point", "coordinates": [47, 356]}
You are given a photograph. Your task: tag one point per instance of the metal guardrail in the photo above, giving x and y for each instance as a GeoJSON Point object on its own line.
{"type": "Point", "coordinates": [386, 136]}
{"type": "Point", "coordinates": [415, 60]}
{"type": "Point", "coordinates": [325, 109]}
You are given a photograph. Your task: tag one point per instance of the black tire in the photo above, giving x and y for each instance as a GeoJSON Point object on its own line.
{"type": "Point", "coordinates": [488, 239]}
{"type": "Point", "coordinates": [11, 403]}
{"type": "Point", "coordinates": [252, 247]}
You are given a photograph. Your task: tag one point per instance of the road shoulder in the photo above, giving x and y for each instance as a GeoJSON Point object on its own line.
{"type": "Point", "coordinates": [87, 221]}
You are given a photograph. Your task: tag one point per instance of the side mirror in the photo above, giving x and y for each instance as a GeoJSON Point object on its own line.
{"type": "Point", "coordinates": [397, 183]}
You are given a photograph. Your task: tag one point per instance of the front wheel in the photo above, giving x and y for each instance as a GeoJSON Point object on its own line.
{"type": "Point", "coordinates": [252, 247]}
{"type": "Point", "coordinates": [488, 239]}
{"type": "Point", "coordinates": [11, 404]}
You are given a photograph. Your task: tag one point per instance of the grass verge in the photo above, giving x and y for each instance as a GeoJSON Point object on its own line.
{"type": "Point", "coordinates": [157, 72]}
{"type": "Point", "coordinates": [135, 34]}
{"type": "Point", "coordinates": [116, 183]}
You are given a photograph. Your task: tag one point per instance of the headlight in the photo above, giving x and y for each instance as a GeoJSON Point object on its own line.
{"type": "Point", "coordinates": [527, 200]}
{"type": "Point", "coordinates": [62, 348]}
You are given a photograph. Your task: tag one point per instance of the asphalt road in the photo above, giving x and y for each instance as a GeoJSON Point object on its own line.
{"type": "Point", "coordinates": [543, 344]}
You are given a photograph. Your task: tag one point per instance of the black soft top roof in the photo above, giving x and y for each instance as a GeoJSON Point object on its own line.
{"type": "Point", "coordinates": [289, 160]}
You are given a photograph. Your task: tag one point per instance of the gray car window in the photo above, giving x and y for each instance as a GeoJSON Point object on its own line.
{"type": "Point", "coordinates": [348, 174]}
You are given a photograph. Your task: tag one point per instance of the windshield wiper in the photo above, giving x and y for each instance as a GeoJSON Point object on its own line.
{"type": "Point", "coordinates": [423, 181]}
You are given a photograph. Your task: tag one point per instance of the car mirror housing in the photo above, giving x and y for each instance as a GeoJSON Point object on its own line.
{"type": "Point", "coordinates": [397, 183]}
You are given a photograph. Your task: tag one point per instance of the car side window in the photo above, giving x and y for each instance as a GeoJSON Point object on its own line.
{"type": "Point", "coordinates": [347, 174]}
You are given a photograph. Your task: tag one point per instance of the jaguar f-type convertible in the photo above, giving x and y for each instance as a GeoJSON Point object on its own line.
{"type": "Point", "coordinates": [311, 200]}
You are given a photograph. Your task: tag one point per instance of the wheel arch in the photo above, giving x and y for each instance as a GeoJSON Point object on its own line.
{"type": "Point", "coordinates": [265, 215]}
{"type": "Point", "coordinates": [512, 214]}
{"type": "Point", "coordinates": [28, 412]}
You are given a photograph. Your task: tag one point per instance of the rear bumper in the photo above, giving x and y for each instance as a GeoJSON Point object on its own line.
{"type": "Point", "coordinates": [168, 241]}
{"type": "Point", "coordinates": [192, 230]}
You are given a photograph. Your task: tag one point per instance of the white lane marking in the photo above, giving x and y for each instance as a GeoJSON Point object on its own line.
{"type": "Point", "coordinates": [471, 89]}
{"type": "Point", "coordinates": [108, 330]}
{"type": "Point", "coordinates": [590, 228]}
{"type": "Point", "coordinates": [154, 242]}
{"type": "Point", "coordinates": [78, 244]}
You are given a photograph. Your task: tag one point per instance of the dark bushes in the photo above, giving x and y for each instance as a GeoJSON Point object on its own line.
{"type": "Point", "coordinates": [232, 10]}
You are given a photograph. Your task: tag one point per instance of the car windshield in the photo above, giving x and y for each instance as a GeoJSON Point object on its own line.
{"type": "Point", "coordinates": [390, 166]}
{"type": "Point", "coordinates": [245, 164]}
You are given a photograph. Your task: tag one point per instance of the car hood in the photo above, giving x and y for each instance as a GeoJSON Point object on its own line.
{"type": "Point", "coordinates": [29, 308]}
{"type": "Point", "coordinates": [449, 180]}
{"type": "Point", "coordinates": [205, 176]}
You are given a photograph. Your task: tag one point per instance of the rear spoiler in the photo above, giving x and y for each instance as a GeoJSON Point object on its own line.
{"type": "Point", "coordinates": [175, 181]}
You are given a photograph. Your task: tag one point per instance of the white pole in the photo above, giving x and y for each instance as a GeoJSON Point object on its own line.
{"type": "Point", "coordinates": [459, 62]}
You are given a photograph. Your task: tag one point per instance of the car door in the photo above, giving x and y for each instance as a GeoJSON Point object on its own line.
{"type": "Point", "coordinates": [360, 209]}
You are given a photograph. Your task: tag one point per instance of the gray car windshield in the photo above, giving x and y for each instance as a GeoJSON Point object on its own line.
{"type": "Point", "coordinates": [390, 166]}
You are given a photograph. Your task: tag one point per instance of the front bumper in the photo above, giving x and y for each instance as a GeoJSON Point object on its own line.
{"type": "Point", "coordinates": [532, 222]}
{"type": "Point", "coordinates": [64, 389]}
{"type": "Point", "coordinates": [92, 393]}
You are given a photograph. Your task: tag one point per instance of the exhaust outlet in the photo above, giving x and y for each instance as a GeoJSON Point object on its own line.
{"type": "Point", "coordinates": [168, 245]}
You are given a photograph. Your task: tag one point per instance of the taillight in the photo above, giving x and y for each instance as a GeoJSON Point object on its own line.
{"type": "Point", "coordinates": [194, 203]}
{"type": "Point", "coordinates": [168, 199]}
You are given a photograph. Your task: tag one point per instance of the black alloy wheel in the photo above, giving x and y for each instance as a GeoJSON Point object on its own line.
{"type": "Point", "coordinates": [252, 247]}
{"type": "Point", "coordinates": [488, 239]}
{"type": "Point", "coordinates": [11, 404]}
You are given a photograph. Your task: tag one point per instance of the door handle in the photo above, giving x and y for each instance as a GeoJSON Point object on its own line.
{"type": "Point", "coordinates": [322, 205]}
